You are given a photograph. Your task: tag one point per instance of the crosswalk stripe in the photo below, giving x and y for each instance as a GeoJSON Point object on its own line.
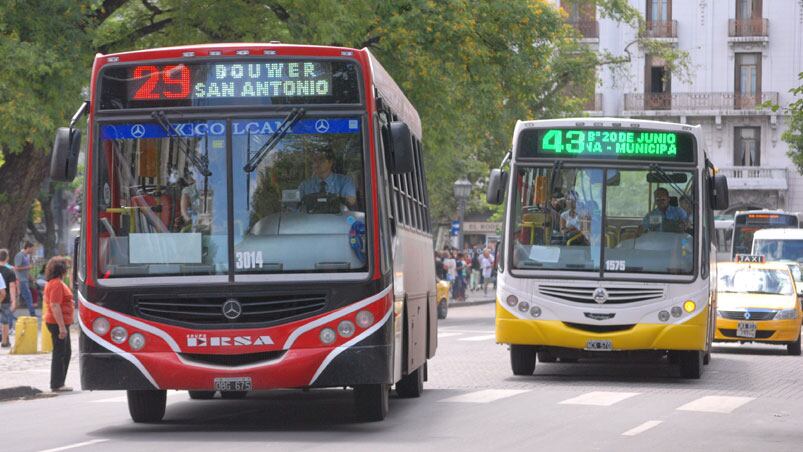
{"type": "Point", "coordinates": [443, 335]}
{"type": "Point", "coordinates": [485, 396]}
{"type": "Point", "coordinates": [641, 428]}
{"type": "Point", "coordinates": [599, 398]}
{"type": "Point", "coordinates": [716, 404]}
{"type": "Point", "coordinates": [484, 337]}
{"type": "Point", "coordinates": [122, 399]}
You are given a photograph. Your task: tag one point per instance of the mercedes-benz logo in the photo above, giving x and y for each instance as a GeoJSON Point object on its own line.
{"type": "Point", "coordinates": [747, 315]}
{"type": "Point", "coordinates": [322, 126]}
{"type": "Point", "coordinates": [600, 295]}
{"type": "Point", "coordinates": [232, 309]}
{"type": "Point", "coordinates": [137, 131]}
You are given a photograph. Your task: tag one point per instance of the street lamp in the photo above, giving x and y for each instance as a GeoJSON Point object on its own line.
{"type": "Point", "coordinates": [462, 190]}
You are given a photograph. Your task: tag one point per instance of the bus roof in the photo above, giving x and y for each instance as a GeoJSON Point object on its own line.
{"type": "Point", "coordinates": [779, 234]}
{"type": "Point", "coordinates": [605, 122]}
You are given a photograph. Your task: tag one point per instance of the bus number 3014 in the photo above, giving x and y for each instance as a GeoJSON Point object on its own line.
{"type": "Point", "coordinates": [247, 260]}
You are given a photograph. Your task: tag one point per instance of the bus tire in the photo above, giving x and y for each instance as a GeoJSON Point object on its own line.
{"type": "Point", "coordinates": [443, 309]}
{"type": "Point", "coordinates": [231, 395]}
{"type": "Point", "coordinates": [412, 384]}
{"type": "Point", "coordinates": [522, 359]}
{"type": "Point", "coordinates": [371, 402]}
{"type": "Point", "coordinates": [793, 348]}
{"type": "Point", "coordinates": [691, 364]}
{"type": "Point", "coordinates": [147, 406]}
{"type": "Point", "coordinates": [202, 395]}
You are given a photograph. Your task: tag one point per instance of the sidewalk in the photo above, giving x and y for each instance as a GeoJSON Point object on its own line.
{"type": "Point", "coordinates": [33, 371]}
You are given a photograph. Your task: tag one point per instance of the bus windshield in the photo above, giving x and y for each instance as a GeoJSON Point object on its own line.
{"type": "Point", "coordinates": [644, 223]}
{"type": "Point", "coordinates": [164, 209]}
{"type": "Point", "coordinates": [745, 224]}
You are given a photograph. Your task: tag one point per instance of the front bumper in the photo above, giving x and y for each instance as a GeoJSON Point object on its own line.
{"type": "Point", "coordinates": [690, 335]}
{"type": "Point", "coordinates": [766, 330]}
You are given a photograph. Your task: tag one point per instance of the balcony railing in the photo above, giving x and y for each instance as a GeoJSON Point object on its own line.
{"type": "Point", "coordinates": [696, 101]}
{"type": "Point", "coordinates": [588, 28]}
{"type": "Point", "coordinates": [661, 29]}
{"type": "Point", "coordinates": [748, 27]}
{"type": "Point", "coordinates": [755, 178]}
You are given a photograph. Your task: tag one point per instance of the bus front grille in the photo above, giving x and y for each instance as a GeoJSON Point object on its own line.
{"type": "Point", "coordinates": [208, 311]}
{"type": "Point", "coordinates": [616, 295]}
{"type": "Point", "coordinates": [599, 328]}
{"type": "Point", "coordinates": [233, 360]}
{"type": "Point", "coordinates": [767, 314]}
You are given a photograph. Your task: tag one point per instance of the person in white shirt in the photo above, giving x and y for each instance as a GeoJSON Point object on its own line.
{"type": "Point", "coordinates": [486, 264]}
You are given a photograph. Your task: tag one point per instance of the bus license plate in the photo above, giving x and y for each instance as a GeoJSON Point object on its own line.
{"type": "Point", "coordinates": [599, 345]}
{"type": "Point", "coordinates": [233, 384]}
{"type": "Point", "coordinates": [746, 329]}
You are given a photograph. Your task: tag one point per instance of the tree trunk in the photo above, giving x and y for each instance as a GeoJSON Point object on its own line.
{"type": "Point", "coordinates": [21, 177]}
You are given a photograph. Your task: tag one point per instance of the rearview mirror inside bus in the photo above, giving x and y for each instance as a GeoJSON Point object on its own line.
{"type": "Point", "coordinates": [496, 186]}
{"type": "Point", "coordinates": [719, 194]}
{"type": "Point", "coordinates": [660, 178]}
{"type": "Point", "coordinates": [64, 161]}
{"type": "Point", "coordinates": [401, 145]}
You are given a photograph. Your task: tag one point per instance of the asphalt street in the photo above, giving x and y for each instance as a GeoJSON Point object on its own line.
{"type": "Point", "coordinates": [750, 398]}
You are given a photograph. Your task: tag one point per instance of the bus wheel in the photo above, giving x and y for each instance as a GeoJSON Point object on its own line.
{"type": "Point", "coordinates": [233, 394]}
{"type": "Point", "coordinates": [522, 359]}
{"type": "Point", "coordinates": [412, 384]}
{"type": "Point", "coordinates": [443, 309]}
{"type": "Point", "coordinates": [202, 395]}
{"type": "Point", "coordinates": [691, 364]}
{"type": "Point", "coordinates": [371, 402]}
{"type": "Point", "coordinates": [147, 406]}
{"type": "Point", "coordinates": [793, 348]}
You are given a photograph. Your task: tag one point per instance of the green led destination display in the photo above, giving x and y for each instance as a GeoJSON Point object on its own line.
{"type": "Point", "coordinates": [608, 144]}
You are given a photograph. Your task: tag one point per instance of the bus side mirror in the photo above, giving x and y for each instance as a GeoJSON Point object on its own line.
{"type": "Point", "coordinates": [401, 148]}
{"type": "Point", "coordinates": [496, 186]}
{"type": "Point", "coordinates": [719, 193]}
{"type": "Point", "coordinates": [64, 160]}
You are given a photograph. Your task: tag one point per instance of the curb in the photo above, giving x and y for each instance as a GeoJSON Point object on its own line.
{"type": "Point", "coordinates": [18, 392]}
{"type": "Point", "coordinates": [457, 304]}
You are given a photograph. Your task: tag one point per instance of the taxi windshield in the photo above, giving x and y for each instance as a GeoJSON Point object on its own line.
{"type": "Point", "coordinates": [755, 280]}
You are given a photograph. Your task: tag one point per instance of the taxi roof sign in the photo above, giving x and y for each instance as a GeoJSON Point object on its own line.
{"type": "Point", "coordinates": [751, 258]}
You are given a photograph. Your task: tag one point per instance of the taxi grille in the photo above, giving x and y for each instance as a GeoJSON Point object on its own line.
{"type": "Point", "coordinates": [760, 334]}
{"type": "Point", "coordinates": [754, 315]}
{"type": "Point", "coordinates": [616, 295]}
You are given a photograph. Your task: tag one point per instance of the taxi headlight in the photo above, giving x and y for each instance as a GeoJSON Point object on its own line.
{"type": "Point", "coordinates": [786, 314]}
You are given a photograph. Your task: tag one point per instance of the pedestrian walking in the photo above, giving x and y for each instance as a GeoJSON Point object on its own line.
{"type": "Point", "coordinates": [475, 280]}
{"type": "Point", "coordinates": [8, 301]}
{"type": "Point", "coordinates": [22, 268]}
{"type": "Point", "coordinates": [59, 299]}
{"type": "Point", "coordinates": [486, 263]}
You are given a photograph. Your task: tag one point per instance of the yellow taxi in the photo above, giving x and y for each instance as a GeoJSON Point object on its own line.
{"type": "Point", "coordinates": [758, 302]}
{"type": "Point", "coordinates": [443, 288]}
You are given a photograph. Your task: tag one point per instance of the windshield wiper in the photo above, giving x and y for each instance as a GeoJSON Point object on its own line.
{"type": "Point", "coordinates": [287, 124]}
{"type": "Point", "coordinates": [662, 173]}
{"type": "Point", "coordinates": [201, 162]}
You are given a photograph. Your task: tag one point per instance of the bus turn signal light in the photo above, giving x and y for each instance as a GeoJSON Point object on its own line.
{"type": "Point", "coordinates": [689, 306]}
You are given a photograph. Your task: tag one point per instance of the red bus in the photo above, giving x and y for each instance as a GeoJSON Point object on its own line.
{"type": "Point", "coordinates": [256, 218]}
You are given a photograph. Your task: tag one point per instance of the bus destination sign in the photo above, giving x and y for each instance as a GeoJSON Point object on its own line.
{"type": "Point", "coordinates": [650, 145]}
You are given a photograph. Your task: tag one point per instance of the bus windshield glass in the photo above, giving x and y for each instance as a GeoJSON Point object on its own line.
{"type": "Point", "coordinates": [754, 280]}
{"type": "Point", "coordinates": [164, 209]}
{"type": "Point", "coordinates": [745, 224]}
{"type": "Point", "coordinates": [648, 221]}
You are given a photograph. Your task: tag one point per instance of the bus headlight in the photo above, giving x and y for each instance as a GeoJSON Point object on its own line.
{"type": "Point", "coordinates": [524, 306]}
{"type": "Point", "coordinates": [689, 306]}
{"type": "Point", "coordinates": [328, 336]}
{"type": "Point", "coordinates": [136, 341]}
{"type": "Point", "coordinates": [786, 314]}
{"type": "Point", "coordinates": [365, 319]}
{"type": "Point", "coordinates": [535, 311]}
{"type": "Point", "coordinates": [676, 311]}
{"type": "Point", "coordinates": [511, 300]}
{"type": "Point", "coordinates": [119, 335]}
{"type": "Point", "coordinates": [100, 326]}
{"type": "Point", "coordinates": [663, 316]}
{"type": "Point", "coordinates": [346, 328]}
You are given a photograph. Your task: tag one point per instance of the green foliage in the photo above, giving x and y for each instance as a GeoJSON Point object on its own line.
{"type": "Point", "coordinates": [794, 134]}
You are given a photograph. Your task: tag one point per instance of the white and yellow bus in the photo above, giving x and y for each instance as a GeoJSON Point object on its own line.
{"type": "Point", "coordinates": [608, 242]}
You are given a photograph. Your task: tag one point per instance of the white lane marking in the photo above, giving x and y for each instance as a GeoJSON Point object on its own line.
{"type": "Point", "coordinates": [448, 329]}
{"type": "Point", "coordinates": [485, 396]}
{"type": "Point", "coordinates": [443, 335]}
{"type": "Point", "coordinates": [599, 398]}
{"type": "Point", "coordinates": [123, 398]}
{"type": "Point", "coordinates": [641, 428]}
{"type": "Point", "coordinates": [484, 337]}
{"type": "Point", "coordinates": [716, 404]}
{"type": "Point", "coordinates": [76, 445]}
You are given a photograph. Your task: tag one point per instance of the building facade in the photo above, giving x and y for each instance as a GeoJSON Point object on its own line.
{"type": "Point", "coordinates": [742, 53]}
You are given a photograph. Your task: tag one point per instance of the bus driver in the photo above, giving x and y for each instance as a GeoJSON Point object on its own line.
{"type": "Point", "coordinates": [665, 217]}
{"type": "Point", "coordinates": [325, 181]}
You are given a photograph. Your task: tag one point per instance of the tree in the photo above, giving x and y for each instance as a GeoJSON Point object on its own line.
{"type": "Point", "coordinates": [794, 134]}
{"type": "Point", "coordinates": [471, 67]}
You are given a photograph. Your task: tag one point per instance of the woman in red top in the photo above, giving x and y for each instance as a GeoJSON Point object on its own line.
{"type": "Point", "coordinates": [59, 300]}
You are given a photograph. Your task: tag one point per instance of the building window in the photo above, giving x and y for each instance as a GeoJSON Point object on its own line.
{"type": "Point", "coordinates": [747, 148]}
{"type": "Point", "coordinates": [659, 10]}
{"type": "Point", "coordinates": [748, 9]}
{"type": "Point", "coordinates": [748, 20]}
{"type": "Point", "coordinates": [657, 84]}
{"type": "Point", "coordinates": [582, 16]}
{"type": "Point", "coordinates": [748, 80]}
